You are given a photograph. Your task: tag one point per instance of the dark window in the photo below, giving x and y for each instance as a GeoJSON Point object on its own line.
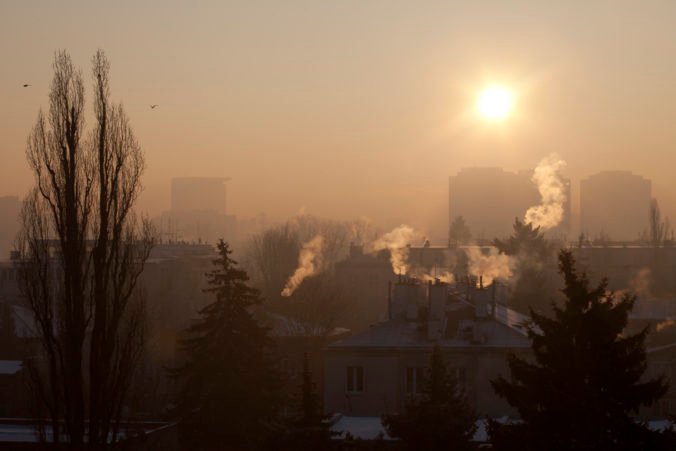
{"type": "Point", "coordinates": [355, 379]}
{"type": "Point", "coordinates": [460, 375]}
{"type": "Point", "coordinates": [414, 380]}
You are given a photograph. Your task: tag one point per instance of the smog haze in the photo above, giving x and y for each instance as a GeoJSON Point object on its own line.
{"type": "Point", "coordinates": [356, 109]}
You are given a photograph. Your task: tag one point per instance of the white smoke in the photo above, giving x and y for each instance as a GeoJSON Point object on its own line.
{"type": "Point", "coordinates": [445, 277]}
{"type": "Point", "coordinates": [664, 325]}
{"type": "Point", "coordinates": [641, 283]}
{"type": "Point", "coordinates": [397, 242]}
{"type": "Point", "coordinates": [547, 177]}
{"type": "Point", "coordinates": [309, 264]}
{"type": "Point", "coordinates": [492, 266]}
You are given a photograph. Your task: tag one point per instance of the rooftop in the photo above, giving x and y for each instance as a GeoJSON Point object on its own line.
{"type": "Point", "coordinates": [409, 334]}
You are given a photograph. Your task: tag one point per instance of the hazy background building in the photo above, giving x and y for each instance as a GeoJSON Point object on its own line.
{"type": "Point", "coordinates": [198, 211]}
{"type": "Point", "coordinates": [489, 199]}
{"type": "Point", "coordinates": [614, 205]}
{"type": "Point", "coordinates": [191, 194]}
{"type": "Point", "coordinates": [9, 223]}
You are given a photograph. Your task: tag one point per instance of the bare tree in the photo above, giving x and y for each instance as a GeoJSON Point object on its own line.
{"type": "Point", "coordinates": [83, 251]}
{"type": "Point", "coordinates": [659, 229]}
{"type": "Point", "coordinates": [272, 256]}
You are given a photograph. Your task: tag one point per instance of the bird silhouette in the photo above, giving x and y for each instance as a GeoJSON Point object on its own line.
{"type": "Point", "coordinates": [26, 85]}
{"type": "Point", "coordinates": [152, 107]}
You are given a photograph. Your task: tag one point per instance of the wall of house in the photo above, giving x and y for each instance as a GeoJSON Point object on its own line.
{"type": "Point", "coordinates": [385, 378]}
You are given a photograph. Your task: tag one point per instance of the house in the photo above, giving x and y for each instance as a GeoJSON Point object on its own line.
{"type": "Point", "coordinates": [374, 372]}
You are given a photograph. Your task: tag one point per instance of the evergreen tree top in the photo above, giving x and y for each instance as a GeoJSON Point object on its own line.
{"type": "Point", "coordinates": [230, 385]}
{"type": "Point", "coordinates": [586, 381]}
{"type": "Point", "coordinates": [524, 239]}
{"type": "Point", "coordinates": [439, 418]}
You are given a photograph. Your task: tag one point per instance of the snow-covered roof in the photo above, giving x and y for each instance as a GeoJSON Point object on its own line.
{"type": "Point", "coordinates": [371, 428]}
{"type": "Point", "coordinates": [9, 367]}
{"type": "Point", "coordinates": [365, 428]}
{"type": "Point", "coordinates": [24, 431]}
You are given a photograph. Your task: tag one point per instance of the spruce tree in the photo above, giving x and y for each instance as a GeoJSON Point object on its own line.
{"type": "Point", "coordinates": [533, 254]}
{"type": "Point", "coordinates": [307, 427]}
{"type": "Point", "coordinates": [230, 388]}
{"type": "Point", "coordinates": [439, 418]}
{"type": "Point", "coordinates": [525, 240]}
{"type": "Point", "coordinates": [585, 383]}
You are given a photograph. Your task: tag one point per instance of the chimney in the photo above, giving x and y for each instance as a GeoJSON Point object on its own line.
{"type": "Point", "coordinates": [389, 299]}
{"type": "Point", "coordinates": [406, 298]}
{"type": "Point", "coordinates": [482, 299]}
{"type": "Point", "coordinates": [437, 295]}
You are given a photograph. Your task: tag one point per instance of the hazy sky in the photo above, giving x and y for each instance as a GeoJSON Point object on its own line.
{"type": "Point", "coordinates": [356, 108]}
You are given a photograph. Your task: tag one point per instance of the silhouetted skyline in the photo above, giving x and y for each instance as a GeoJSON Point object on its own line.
{"type": "Point", "coordinates": [356, 109]}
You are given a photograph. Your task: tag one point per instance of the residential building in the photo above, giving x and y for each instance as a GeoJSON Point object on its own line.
{"type": "Point", "coordinates": [374, 372]}
{"type": "Point", "coordinates": [614, 205]}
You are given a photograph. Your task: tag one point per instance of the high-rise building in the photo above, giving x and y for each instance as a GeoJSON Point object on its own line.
{"type": "Point", "coordinates": [489, 199]}
{"type": "Point", "coordinates": [198, 211]}
{"type": "Point", "coordinates": [615, 205]}
{"type": "Point", "coordinates": [191, 194]}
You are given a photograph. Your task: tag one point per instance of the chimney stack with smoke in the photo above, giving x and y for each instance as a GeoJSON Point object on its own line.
{"type": "Point", "coordinates": [552, 188]}
{"type": "Point", "coordinates": [396, 242]}
{"type": "Point", "coordinates": [309, 264]}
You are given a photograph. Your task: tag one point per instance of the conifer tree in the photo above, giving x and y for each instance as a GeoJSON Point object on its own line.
{"type": "Point", "coordinates": [230, 388]}
{"type": "Point", "coordinates": [525, 240]}
{"type": "Point", "coordinates": [585, 384]}
{"type": "Point", "coordinates": [439, 418]}
{"type": "Point", "coordinates": [533, 253]}
{"type": "Point", "coordinates": [307, 427]}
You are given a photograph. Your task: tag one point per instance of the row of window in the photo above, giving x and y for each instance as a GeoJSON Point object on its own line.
{"type": "Point", "coordinates": [413, 379]}
{"type": "Point", "coordinates": [7, 274]}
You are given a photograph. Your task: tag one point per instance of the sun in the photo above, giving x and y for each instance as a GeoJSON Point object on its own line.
{"type": "Point", "coordinates": [494, 103]}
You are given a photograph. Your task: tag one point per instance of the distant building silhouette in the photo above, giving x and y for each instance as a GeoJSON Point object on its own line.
{"type": "Point", "coordinates": [490, 198]}
{"type": "Point", "coordinates": [10, 206]}
{"type": "Point", "coordinates": [198, 211]}
{"type": "Point", "coordinates": [614, 204]}
{"type": "Point", "coordinates": [190, 194]}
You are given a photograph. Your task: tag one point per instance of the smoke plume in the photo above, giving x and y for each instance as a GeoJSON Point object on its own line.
{"type": "Point", "coordinates": [396, 242]}
{"type": "Point", "coordinates": [431, 276]}
{"type": "Point", "coordinates": [492, 266]}
{"type": "Point", "coordinates": [641, 283]}
{"type": "Point", "coordinates": [664, 325]}
{"type": "Point", "coordinates": [309, 264]}
{"type": "Point", "coordinates": [548, 179]}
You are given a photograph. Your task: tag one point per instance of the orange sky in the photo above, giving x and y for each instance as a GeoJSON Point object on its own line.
{"type": "Point", "coordinates": [354, 108]}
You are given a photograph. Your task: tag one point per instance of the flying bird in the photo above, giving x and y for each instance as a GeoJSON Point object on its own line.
{"type": "Point", "coordinates": [152, 107]}
{"type": "Point", "coordinates": [26, 85]}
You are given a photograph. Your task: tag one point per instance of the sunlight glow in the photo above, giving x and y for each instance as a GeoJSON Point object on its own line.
{"type": "Point", "coordinates": [494, 103]}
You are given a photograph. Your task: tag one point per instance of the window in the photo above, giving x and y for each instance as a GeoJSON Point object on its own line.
{"type": "Point", "coordinates": [355, 379]}
{"type": "Point", "coordinates": [414, 380]}
{"type": "Point", "coordinates": [460, 375]}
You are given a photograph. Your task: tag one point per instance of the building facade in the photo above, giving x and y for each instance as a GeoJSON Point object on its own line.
{"type": "Point", "coordinates": [374, 372]}
{"type": "Point", "coordinates": [490, 198]}
{"type": "Point", "coordinates": [614, 205]}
